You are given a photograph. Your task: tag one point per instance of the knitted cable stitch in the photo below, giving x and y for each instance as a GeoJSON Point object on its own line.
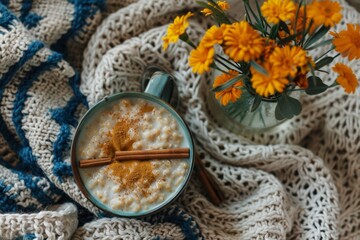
{"type": "Point", "coordinates": [59, 222]}
{"type": "Point", "coordinates": [297, 181]}
{"type": "Point", "coordinates": [310, 192]}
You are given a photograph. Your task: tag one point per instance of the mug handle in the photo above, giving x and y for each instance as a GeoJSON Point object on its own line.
{"type": "Point", "coordinates": [161, 84]}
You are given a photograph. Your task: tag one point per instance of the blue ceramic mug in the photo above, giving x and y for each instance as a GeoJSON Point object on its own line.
{"type": "Point", "coordinates": [160, 90]}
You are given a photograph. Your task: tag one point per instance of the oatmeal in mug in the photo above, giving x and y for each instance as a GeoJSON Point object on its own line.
{"type": "Point", "coordinates": [136, 185]}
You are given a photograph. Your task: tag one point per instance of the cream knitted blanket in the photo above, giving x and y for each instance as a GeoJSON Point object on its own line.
{"type": "Point", "coordinates": [297, 181]}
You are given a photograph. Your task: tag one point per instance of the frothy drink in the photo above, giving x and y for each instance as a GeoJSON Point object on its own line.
{"type": "Point", "coordinates": [132, 124]}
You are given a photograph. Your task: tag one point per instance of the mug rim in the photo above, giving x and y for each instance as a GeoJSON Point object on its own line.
{"type": "Point", "coordinates": [137, 95]}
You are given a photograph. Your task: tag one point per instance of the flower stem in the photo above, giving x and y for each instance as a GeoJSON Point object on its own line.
{"type": "Point", "coordinates": [213, 65]}
{"type": "Point", "coordinates": [229, 62]}
{"type": "Point", "coordinates": [224, 65]}
{"type": "Point", "coordinates": [332, 48]}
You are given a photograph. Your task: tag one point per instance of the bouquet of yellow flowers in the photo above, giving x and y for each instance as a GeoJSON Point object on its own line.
{"type": "Point", "coordinates": [266, 55]}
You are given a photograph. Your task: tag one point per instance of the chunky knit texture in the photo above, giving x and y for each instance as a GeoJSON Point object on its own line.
{"type": "Point", "coordinates": [297, 181]}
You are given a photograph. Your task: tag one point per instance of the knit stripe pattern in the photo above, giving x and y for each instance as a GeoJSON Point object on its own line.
{"type": "Point", "coordinates": [35, 130]}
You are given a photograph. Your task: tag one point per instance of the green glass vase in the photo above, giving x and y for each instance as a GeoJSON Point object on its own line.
{"type": "Point", "coordinates": [238, 116]}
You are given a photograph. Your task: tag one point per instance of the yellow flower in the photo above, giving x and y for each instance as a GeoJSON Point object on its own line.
{"type": "Point", "coordinates": [222, 4]}
{"type": "Point", "coordinates": [176, 29]}
{"type": "Point", "coordinates": [213, 36]}
{"type": "Point", "coordinates": [335, 34]}
{"type": "Point", "coordinates": [242, 42]}
{"type": "Point", "coordinates": [325, 13]}
{"type": "Point", "coordinates": [267, 85]}
{"type": "Point", "coordinates": [230, 94]}
{"type": "Point", "coordinates": [165, 42]}
{"type": "Point", "coordinates": [288, 59]}
{"type": "Point", "coordinates": [276, 10]}
{"type": "Point", "coordinates": [206, 11]}
{"type": "Point", "coordinates": [201, 58]}
{"type": "Point", "coordinates": [347, 42]}
{"type": "Point", "coordinates": [346, 78]}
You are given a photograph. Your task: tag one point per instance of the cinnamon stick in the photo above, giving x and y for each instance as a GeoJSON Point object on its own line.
{"type": "Point", "coordinates": [95, 162]}
{"type": "Point", "coordinates": [151, 156]}
{"type": "Point", "coordinates": [137, 155]}
{"type": "Point", "coordinates": [214, 193]}
{"type": "Point", "coordinates": [155, 151]}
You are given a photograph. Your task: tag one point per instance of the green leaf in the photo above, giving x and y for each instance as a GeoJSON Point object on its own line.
{"type": "Point", "coordinates": [185, 38]}
{"type": "Point", "coordinates": [256, 103]}
{"type": "Point", "coordinates": [263, 20]}
{"type": "Point", "coordinates": [323, 43]}
{"type": "Point", "coordinates": [258, 20]}
{"type": "Point", "coordinates": [288, 106]}
{"type": "Point", "coordinates": [316, 36]}
{"type": "Point", "coordinates": [259, 68]}
{"type": "Point", "coordinates": [274, 31]}
{"type": "Point", "coordinates": [316, 86]}
{"type": "Point", "coordinates": [278, 114]}
{"type": "Point", "coordinates": [258, 27]}
{"type": "Point", "coordinates": [247, 15]}
{"type": "Point", "coordinates": [323, 62]}
{"type": "Point", "coordinates": [228, 83]}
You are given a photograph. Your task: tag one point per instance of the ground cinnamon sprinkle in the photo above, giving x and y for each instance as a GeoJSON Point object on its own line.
{"type": "Point", "coordinates": [146, 108]}
{"type": "Point", "coordinates": [121, 138]}
{"type": "Point", "coordinates": [107, 149]}
{"type": "Point", "coordinates": [131, 174]}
